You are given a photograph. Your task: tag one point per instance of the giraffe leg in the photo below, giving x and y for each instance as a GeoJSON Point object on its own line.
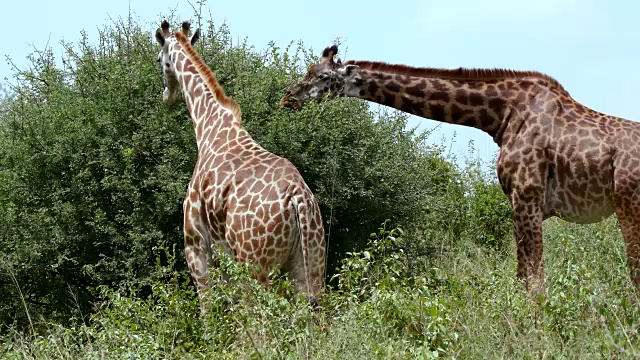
{"type": "Point", "coordinates": [308, 283]}
{"type": "Point", "coordinates": [527, 219]}
{"type": "Point", "coordinates": [631, 232]}
{"type": "Point", "coordinates": [198, 263]}
{"type": "Point", "coordinates": [307, 263]}
{"type": "Point", "coordinates": [627, 201]}
{"type": "Point", "coordinates": [315, 283]}
{"type": "Point", "coordinates": [296, 271]}
{"type": "Point", "coordinates": [196, 251]}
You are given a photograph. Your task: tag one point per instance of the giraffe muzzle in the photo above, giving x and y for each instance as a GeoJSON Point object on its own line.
{"type": "Point", "coordinates": [290, 103]}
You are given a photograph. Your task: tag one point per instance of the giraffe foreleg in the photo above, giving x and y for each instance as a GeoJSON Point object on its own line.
{"type": "Point", "coordinates": [527, 219]}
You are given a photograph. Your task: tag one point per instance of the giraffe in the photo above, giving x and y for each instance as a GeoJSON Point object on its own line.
{"type": "Point", "coordinates": [253, 204]}
{"type": "Point", "coordinates": [556, 157]}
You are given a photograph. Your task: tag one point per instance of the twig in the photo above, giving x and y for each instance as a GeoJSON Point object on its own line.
{"type": "Point", "coordinates": [24, 302]}
{"type": "Point", "coordinates": [244, 326]}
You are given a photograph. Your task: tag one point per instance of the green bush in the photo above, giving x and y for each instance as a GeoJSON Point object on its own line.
{"type": "Point", "coordinates": [398, 317]}
{"type": "Point", "coordinates": [488, 210]}
{"type": "Point", "coordinates": [94, 167]}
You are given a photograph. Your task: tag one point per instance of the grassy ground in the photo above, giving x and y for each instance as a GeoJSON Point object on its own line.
{"type": "Point", "coordinates": [588, 312]}
{"type": "Point", "coordinates": [463, 304]}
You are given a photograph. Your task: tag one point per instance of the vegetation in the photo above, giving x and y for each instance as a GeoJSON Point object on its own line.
{"type": "Point", "coordinates": [93, 170]}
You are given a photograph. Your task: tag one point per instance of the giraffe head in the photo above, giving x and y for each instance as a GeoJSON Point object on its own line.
{"type": "Point", "coordinates": [327, 79]}
{"type": "Point", "coordinates": [168, 46]}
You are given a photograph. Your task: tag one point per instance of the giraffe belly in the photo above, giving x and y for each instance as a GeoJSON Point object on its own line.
{"type": "Point", "coordinates": [582, 198]}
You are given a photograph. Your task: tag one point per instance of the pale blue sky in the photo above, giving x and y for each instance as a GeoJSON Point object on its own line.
{"type": "Point", "coordinates": [592, 47]}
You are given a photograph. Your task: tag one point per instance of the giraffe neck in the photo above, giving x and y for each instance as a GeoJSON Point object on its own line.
{"type": "Point", "coordinates": [479, 104]}
{"type": "Point", "coordinates": [215, 122]}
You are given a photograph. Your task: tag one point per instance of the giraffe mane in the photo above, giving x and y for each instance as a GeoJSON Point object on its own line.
{"type": "Point", "coordinates": [459, 73]}
{"type": "Point", "coordinates": [209, 77]}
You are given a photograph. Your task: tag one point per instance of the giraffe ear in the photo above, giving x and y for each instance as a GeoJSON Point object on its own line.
{"type": "Point", "coordinates": [195, 36]}
{"type": "Point", "coordinates": [328, 53]}
{"type": "Point", "coordinates": [185, 28]}
{"type": "Point", "coordinates": [165, 29]}
{"type": "Point", "coordinates": [160, 37]}
{"type": "Point", "coordinates": [349, 69]}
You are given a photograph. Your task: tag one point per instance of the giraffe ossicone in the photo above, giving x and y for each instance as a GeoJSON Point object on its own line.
{"type": "Point", "coordinates": [557, 156]}
{"type": "Point", "coordinates": [253, 204]}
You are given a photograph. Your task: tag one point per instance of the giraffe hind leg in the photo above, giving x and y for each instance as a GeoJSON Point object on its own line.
{"type": "Point", "coordinates": [305, 283]}
{"type": "Point", "coordinates": [197, 251]}
{"type": "Point", "coordinates": [307, 261]}
{"type": "Point", "coordinates": [198, 264]}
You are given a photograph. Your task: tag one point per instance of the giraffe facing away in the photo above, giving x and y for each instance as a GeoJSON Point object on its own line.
{"type": "Point", "coordinates": [253, 204]}
{"type": "Point", "coordinates": [557, 157]}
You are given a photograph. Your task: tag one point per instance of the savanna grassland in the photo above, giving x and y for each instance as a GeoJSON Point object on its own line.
{"type": "Point", "coordinates": [93, 170]}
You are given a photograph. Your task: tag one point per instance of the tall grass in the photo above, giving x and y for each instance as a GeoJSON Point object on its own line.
{"type": "Point", "coordinates": [463, 304]}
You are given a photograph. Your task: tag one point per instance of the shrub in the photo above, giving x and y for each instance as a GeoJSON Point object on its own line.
{"type": "Point", "coordinates": [488, 210]}
{"type": "Point", "coordinates": [392, 317]}
{"type": "Point", "coordinates": [94, 167]}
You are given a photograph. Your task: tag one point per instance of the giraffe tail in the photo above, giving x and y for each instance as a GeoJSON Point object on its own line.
{"type": "Point", "coordinates": [311, 236]}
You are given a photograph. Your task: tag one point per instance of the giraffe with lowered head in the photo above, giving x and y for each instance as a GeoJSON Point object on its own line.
{"type": "Point", "coordinates": [253, 204]}
{"type": "Point", "coordinates": [557, 157]}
